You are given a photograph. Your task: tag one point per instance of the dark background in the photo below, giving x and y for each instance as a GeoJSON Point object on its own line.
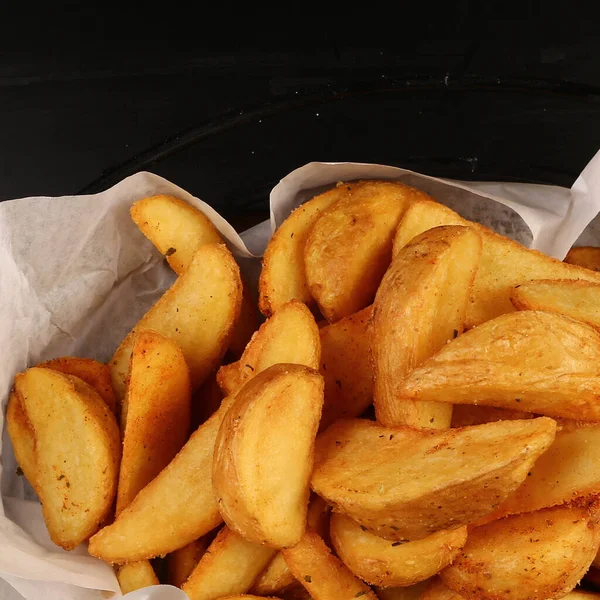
{"type": "Point", "coordinates": [225, 101]}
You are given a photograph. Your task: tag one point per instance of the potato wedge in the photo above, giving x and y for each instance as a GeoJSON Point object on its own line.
{"type": "Point", "coordinates": [533, 556]}
{"type": "Point", "coordinates": [402, 483]}
{"type": "Point", "coordinates": [175, 508]}
{"type": "Point", "coordinates": [77, 452]}
{"type": "Point", "coordinates": [244, 597]}
{"type": "Point", "coordinates": [346, 368]}
{"type": "Point", "coordinates": [411, 592]}
{"type": "Point", "coordinates": [182, 562]}
{"type": "Point", "coordinates": [156, 412]}
{"type": "Point", "coordinates": [420, 305]}
{"type": "Point", "coordinates": [94, 373]}
{"type": "Point", "coordinates": [438, 590]}
{"type": "Point", "coordinates": [574, 298]}
{"type": "Point", "coordinates": [584, 256]}
{"type": "Point", "coordinates": [178, 229]}
{"type": "Point", "coordinates": [384, 563]}
{"type": "Point", "coordinates": [529, 360]}
{"type": "Point", "coordinates": [464, 415]}
{"type": "Point", "coordinates": [282, 277]}
{"type": "Point", "coordinates": [289, 336]}
{"type": "Point", "coordinates": [264, 455]}
{"type": "Point", "coordinates": [228, 567]}
{"type": "Point", "coordinates": [503, 265]}
{"type": "Point", "coordinates": [349, 247]}
{"type": "Point", "coordinates": [569, 469]}
{"type": "Point", "coordinates": [277, 576]}
{"type": "Point", "coordinates": [198, 313]}
{"type": "Point", "coordinates": [22, 438]}
{"type": "Point", "coordinates": [136, 576]}
{"type": "Point", "coordinates": [323, 575]}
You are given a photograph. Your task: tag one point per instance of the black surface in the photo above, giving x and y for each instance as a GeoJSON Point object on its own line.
{"type": "Point", "coordinates": [475, 94]}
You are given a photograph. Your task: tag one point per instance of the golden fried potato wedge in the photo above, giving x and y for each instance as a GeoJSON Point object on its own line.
{"type": "Point", "coordinates": [323, 575]}
{"type": "Point", "coordinates": [349, 247]}
{"type": "Point", "coordinates": [574, 298]}
{"type": "Point", "coordinates": [264, 455]}
{"type": "Point", "coordinates": [77, 452]}
{"type": "Point", "coordinates": [228, 567]}
{"type": "Point", "coordinates": [22, 438]}
{"type": "Point", "coordinates": [245, 597]}
{"type": "Point", "coordinates": [176, 228]}
{"type": "Point", "coordinates": [534, 361]}
{"type": "Point", "coordinates": [175, 508]}
{"type": "Point", "coordinates": [289, 336]}
{"type": "Point", "coordinates": [277, 577]}
{"type": "Point", "coordinates": [94, 373]}
{"type": "Point", "coordinates": [182, 562]}
{"type": "Point", "coordinates": [569, 469]}
{"type": "Point", "coordinates": [282, 277]}
{"type": "Point", "coordinates": [464, 415]}
{"type": "Point", "coordinates": [584, 256]}
{"type": "Point", "coordinates": [438, 590]}
{"type": "Point", "coordinates": [402, 483]}
{"type": "Point", "coordinates": [156, 412]}
{"type": "Point", "coordinates": [136, 576]}
{"type": "Point", "coordinates": [385, 563]}
{"type": "Point", "coordinates": [533, 556]}
{"type": "Point", "coordinates": [346, 368]}
{"type": "Point", "coordinates": [198, 313]}
{"type": "Point", "coordinates": [420, 305]}
{"type": "Point", "coordinates": [504, 263]}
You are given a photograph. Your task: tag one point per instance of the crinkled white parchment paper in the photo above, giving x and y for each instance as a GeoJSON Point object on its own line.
{"type": "Point", "coordinates": [76, 274]}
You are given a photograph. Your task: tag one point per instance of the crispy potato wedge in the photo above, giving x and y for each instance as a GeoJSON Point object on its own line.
{"type": "Point", "coordinates": [289, 336]}
{"type": "Point", "coordinates": [535, 361]}
{"type": "Point", "coordinates": [464, 415]}
{"type": "Point", "coordinates": [420, 305]}
{"type": "Point", "coordinates": [569, 469]}
{"type": "Point", "coordinates": [264, 455]}
{"type": "Point", "coordinates": [175, 508]}
{"type": "Point", "coordinates": [349, 247]}
{"type": "Point", "coordinates": [282, 277]}
{"type": "Point", "coordinates": [228, 567]}
{"type": "Point", "coordinates": [533, 556]}
{"type": "Point", "coordinates": [198, 313]}
{"type": "Point", "coordinates": [323, 575]}
{"type": "Point", "coordinates": [277, 576]}
{"type": "Point", "coordinates": [574, 298]}
{"type": "Point", "coordinates": [503, 265]}
{"type": "Point", "coordinates": [438, 590]}
{"type": "Point", "coordinates": [94, 373]}
{"type": "Point", "coordinates": [182, 562]}
{"type": "Point", "coordinates": [384, 563]}
{"type": "Point", "coordinates": [584, 256]}
{"type": "Point", "coordinates": [402, 483]}
{"type": "Point", "coordinates": [136, 576]}
{"type": "Point", "coordinates": [243, 597]}
{"type": "Point", "coordinates": [156, 412]}
{"type": "Point", "coordinates": [22, 438]}
{"type": "Point", "coordinates": [178, 229]}
{"type": "Point", "coordinates": [346, 368]}
{"type": "Point", "coordinates": [77, 452]}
